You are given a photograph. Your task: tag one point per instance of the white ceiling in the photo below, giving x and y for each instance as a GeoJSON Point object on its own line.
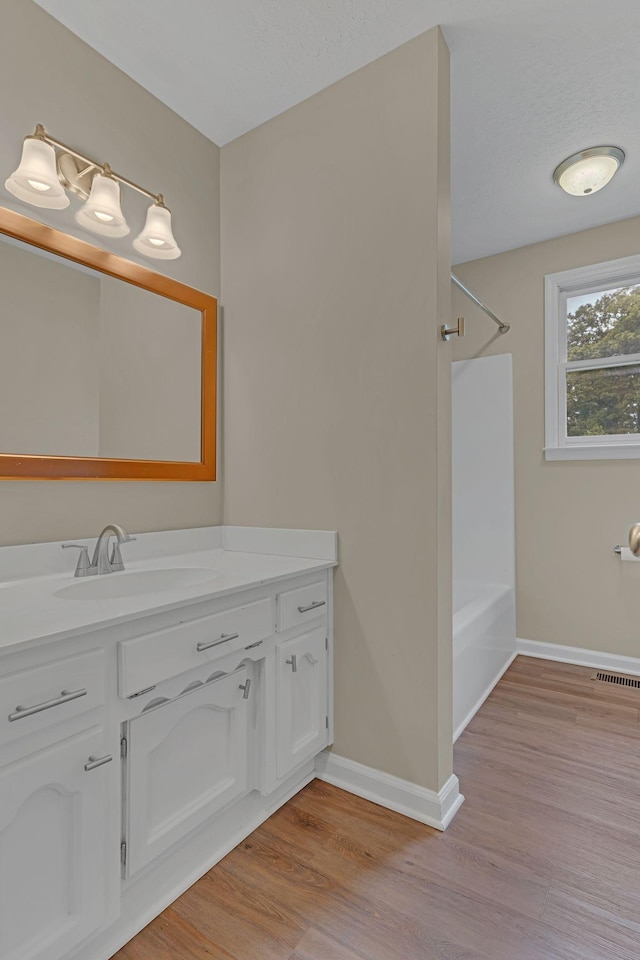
{"type": "Point", "coordinates": [532, 81]}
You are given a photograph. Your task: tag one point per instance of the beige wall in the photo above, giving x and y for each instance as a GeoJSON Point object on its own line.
{"type": "Point", "coordinates": [50, 76]}
{"type": "Point", "coordinates": [49, 356]}
{"type": "Point", "coordinates": [571, 588]}
{"type": "Point", "coordinates": [335, 259]}
{"type": "Point", "coordinates": [150, 382]}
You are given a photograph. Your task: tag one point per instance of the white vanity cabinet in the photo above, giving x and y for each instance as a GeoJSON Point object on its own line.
{"type": "Point", "coordinates": [58, 861]}
{"type": "Point", "coordinates": [59, 806]}
{"type": "Point", "coordinates": [136, 752]}
{"type": "Point", "coordinates": [186, 759]}
{"type": "Point", "coordinates": [302, 717]}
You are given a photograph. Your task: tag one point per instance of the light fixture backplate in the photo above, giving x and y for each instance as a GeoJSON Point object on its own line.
{"type": "Point", "coordinates": [75, 175]}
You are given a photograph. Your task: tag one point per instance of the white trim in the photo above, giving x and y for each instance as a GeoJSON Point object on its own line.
{"type": "Point", "coordinates": [604, 363]}
{"type": "Point", "coordinates": [552, 385]}
{"type": "Point", "coordinates": [558, 286]}
{"type": "Point", "coordinates": [469, 717]}
{"type": "Point", "coordinates": [589, 279]}
{"type": "Point", "coordinates": [582, 657]}
{"type": "Point", "coordinates": [435, 809]}
{"type": "Point", "coordinates": [611, 451]}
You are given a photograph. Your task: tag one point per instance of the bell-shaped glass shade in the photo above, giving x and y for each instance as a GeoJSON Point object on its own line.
{"type": "Point", "coordinates": [157, 239]}
{"type": "Point", "coordinates": [36, 179]}
{"type": "Point", "coordinates": [101, 213]}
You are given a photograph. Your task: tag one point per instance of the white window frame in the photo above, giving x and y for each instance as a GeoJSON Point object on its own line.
{"type": "Point", "coordinates": [558, 288]}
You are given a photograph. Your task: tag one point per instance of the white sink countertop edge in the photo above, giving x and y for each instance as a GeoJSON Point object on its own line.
{"type": "Point", "coordinates": [30, 612]}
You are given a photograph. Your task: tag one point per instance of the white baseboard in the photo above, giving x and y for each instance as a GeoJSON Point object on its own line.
{"type": "Point", "coordinates": [435, 809]}
{"type": "Point", "coordinates": [469, 717]}
{"type": "Point", "coordinates": [587, 658]}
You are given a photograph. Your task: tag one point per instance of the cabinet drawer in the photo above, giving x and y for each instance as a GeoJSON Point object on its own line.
{"type": "Point", "coordinates": [145, 661]}
{"type": "Point", "coordinates": [40, 697]}
{"type": "Point", "coordinates": [299, 606]}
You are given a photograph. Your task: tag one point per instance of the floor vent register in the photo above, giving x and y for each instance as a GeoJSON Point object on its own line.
{"type": "Point", "coordinates": [620, 679]}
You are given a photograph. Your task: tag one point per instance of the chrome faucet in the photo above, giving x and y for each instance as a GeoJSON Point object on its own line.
{"type": "Point", "coordinates": [100, 562]}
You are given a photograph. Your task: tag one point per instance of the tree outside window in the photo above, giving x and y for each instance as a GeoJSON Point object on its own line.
{"type": "Point", "coordinates": [604, 400]}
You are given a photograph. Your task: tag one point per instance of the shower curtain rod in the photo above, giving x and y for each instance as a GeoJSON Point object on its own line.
{"type": "Point", "coordinates": [502, 327]}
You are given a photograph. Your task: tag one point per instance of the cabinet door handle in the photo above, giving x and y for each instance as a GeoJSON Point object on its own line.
{"type": "Point", "coordinates": [64, 697]}
{"type": "Point", "coordinates": [245, 687]}
{"type": "Point", "coordinates": [224, 638]}
{"type": "Point", "coordinates": [293, 660]}
{"type": "Point", "coordinates": [94, 762]}
{"type": "Point", "coordinates": [312, 606]}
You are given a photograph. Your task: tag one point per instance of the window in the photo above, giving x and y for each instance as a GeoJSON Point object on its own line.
{"type": "Point", "coordinates": [592, 365]}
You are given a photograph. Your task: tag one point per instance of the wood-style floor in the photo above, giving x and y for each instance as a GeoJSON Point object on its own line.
{"type": "Point", "coordinates": [541, 863]}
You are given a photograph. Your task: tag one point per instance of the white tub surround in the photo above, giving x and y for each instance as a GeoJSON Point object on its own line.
{"type": "Point", "coordinates": [484, 626]}
{"type": "Point", "coordinates": [145, 734]}
{"type": "Point", "coordinates": [484, 629]}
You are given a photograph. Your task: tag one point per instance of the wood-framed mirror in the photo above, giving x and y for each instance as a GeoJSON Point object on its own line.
{"type": "Point", "coordinates": [107, 369]}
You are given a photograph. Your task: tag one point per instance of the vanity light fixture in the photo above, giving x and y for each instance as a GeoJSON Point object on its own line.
{"type": "Point", "coordinates": [36, 179]}
{"type": "Point", "coordinates": [589, 170]}
{"type": "Point", "coordinates": [102, 212]}
{"type": "Point", "coordinates": [50, 168]}
{"type": "Point", "coordinates": [156, 239]}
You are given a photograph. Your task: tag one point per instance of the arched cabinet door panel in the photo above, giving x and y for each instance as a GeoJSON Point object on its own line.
{"type": "Point", "coordinates": [186, 760]}
{"type": "Point", "coordinates": [59, 848]}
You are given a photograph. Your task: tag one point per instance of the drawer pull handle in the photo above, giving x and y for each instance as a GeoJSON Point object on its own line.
{"type": "Point", "coordinates": [293, 660]}
{"type": "Point", "coordinates": [245, 687]}
{"type": "Point", "coordinates": [64, 697]}
{"type": "Point", "coordinates": [224, 638]}
{"type": "Point", "coordinates": [141, 693]}
{"type": "Point", "coordinates": [312, 606]}
{"type": "Point", "coordinates": [258, 643]}
{"type": "Point", "coordinates": [94, 762]}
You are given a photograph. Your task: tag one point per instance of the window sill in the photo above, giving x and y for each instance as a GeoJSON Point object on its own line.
{"type": "Point", "coordinates": [605, 451]}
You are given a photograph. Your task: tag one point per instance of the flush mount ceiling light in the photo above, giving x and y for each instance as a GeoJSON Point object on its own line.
{"type": "Point", "coordinates": [50, 168]}
{"type": "Point", "coordinates": [586, 172]}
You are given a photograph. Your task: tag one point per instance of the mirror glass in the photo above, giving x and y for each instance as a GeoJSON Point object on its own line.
{"type": "Point", "coordinates": [93, 366]}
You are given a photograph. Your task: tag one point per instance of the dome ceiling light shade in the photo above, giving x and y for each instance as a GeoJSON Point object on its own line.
{"type": "Point", "coordinates": [157, 239]}
{"type": "Point", "coordinates": [102, 212]}
{"type": "Point", "coordinates": [586, 172]}
{"type": "Point", "coordinates": [36, 179]}
{"type": "Point", "coordinates": [50, 168]}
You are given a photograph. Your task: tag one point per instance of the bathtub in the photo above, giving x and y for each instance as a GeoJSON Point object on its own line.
{"type": "Point", "coordinates": [484, 644]}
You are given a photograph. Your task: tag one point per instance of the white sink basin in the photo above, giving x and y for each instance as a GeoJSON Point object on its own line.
{"type": "Point", "coordinates": [129, 583]}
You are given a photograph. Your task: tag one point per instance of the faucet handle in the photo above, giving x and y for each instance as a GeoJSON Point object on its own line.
{"type": "Point", "coordinates": [83, 565]}
{"type": "Point", "coordinates": [116, 562]}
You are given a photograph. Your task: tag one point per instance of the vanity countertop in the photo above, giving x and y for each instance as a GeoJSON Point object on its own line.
{"type": "Point", "coordinates": [38, 590]}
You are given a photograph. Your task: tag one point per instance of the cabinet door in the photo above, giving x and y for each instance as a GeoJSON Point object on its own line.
{"type": "Point", "coordinates": [186, 760]}
{"type": "Point", "coordinates": [301, 699]}
{"type": "Point", "coordinates": [59, 849]}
